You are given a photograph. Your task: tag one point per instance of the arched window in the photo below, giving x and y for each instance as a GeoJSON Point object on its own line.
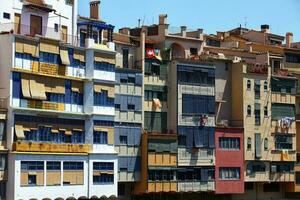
{"type": "Point", "coordinates": [249, 143]}
{"type": "Point", "coordinates": [266, 144]}
{"type": "Point", "coordinates": [266, 111]}
{"type": "Point", "coordinates": [249, 110]}
{"type": "Point", "coordinates": [248, 85]}
{"type": "Point", "coordinates": [266, 86]}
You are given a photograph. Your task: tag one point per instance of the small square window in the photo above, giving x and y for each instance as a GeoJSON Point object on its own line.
{"type": "Point", "coordinates": [131, 107]}
{"type": "Point", "coordinates": [123, 139]}
{"type": "Point", "coordinates": [56, 27]}
{"type": "Point", "coordinates": [31, 179]}
{"type": "Point", "coordinates": [6, 15]}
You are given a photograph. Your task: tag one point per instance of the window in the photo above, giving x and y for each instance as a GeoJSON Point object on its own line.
{"type": "Point", "coordinates": [194, 51]}
{"type": "Point", "coordinates": [182, 140]}
{"type": "Point", "coordinates": [266, 86]}
{"type": "Point", "coordinates": [56, 27]}
{"type": "Point", "coordinates": [3, 161]}
{"type": "Point", "coordinates": [292, 58]}
{"type": "Point", "coordinates": [266, 111]}
{"type": "Point", "coordinates": [229, 143]}
{"type": "Point", "coordinates": [103, 66]}
{"type": "Point", "coordinates": [123, 139]}
{"type": "Point", "coordinates": [130, 107]}
{"type": "Point", "coordinates": [125, 58]}
{"type": "Point", "coordinates": [49, 58]}
{"type": "Point", "coordinates": [31, 179]}
{"type": "Point", "coordinates": [100, 137]}
{"type": "Point", "coordinates": [195, 75]}
{"type": "Point", "coordinates": [271, 187]}
{"type": "Point", "coordinates": [69, 2]}
{"type": "Point", "coordinates": [6, 15]}
{"type": "Point", "coordinates": [32, 165]}
{"type": "Point", "coordinates": [2, 189]}
{"type": "Point", "coordinates": [103, 166]}
{"type": "Point", "coordinates": [276, 65]}
{"type": "Point", "coordinates": [229, 173]}
{"type": "Point", "coordinates": [102, 99]}
{"type": "Point", "coordinates": [73, 165]}
{"type": "Point", "coordinates": [249, 144]}
{"type": "Point", "coordinates": [53, 165]}
{"type": "Point", "coordinates": [78, 137]}
{"type": "Point", "coordinates": [248, 110]}
{"type": "Point", "coordinates": [283, 142]}
{"type": "Point", "coordinates": [131, 80]}
{"type": "Point", "coordinates": [257, 89]}
{"type": "Point", "coordinates": [226, 66]}
{"type": "Point", "coordinates": [248, 85]}
{"type": "Point", "coordinates": [257, 114]}
{"type": "Point", "coordinates": [199, 104]}
{"type": "Point", "coordinates": [255, 167]}
{"type": "Point", "coordinates": [150, 95]}
{"type": "Point", "coordinates": [103, 179]}
{"type": "Point", "coordinates": [297, 178]}
{"type": "Point", "coordinates": [2, 130]}
{"type": "Point", "coordinates": [266, 144]}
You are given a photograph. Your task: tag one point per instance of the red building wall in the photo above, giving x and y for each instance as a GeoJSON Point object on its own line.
{"type": "Point", "coordinates": [229, 158]}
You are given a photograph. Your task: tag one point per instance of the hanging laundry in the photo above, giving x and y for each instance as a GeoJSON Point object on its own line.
{"type": "Point", "coordinates": [203, 120]}
{"type": "Point", "coordinates": [286, 122]}
{"type": "Point", "coordinates": [285, 155]}
{"type": "Point", "coordinates": [156, 103]}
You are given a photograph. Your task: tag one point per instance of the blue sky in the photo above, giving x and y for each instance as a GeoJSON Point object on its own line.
{"type": "Point", "coordinates": [211, 15]}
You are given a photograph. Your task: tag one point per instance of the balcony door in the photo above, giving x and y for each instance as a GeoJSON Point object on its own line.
{"type": "Point", "coordinates": [35, 25]}
{"type": "Point", "coordinates": [64, 33]}
{"type": "Point", "coordinates": [17, 23]}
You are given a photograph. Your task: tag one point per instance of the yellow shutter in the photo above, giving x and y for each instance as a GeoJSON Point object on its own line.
{"type": "Point", "coordinates": [19, 47]}
{"type": "Point", "coordinates": [110, 90]}
{"type": "Point", "coordinates": [64, 57]}
{"type": "Point", "coordinates": [104, 58]}
{"type": "Point", "coordinates": [98, 128]}
{"type": "Point", "coordinates": [40, 178]}
{"type": "Point", "coordinates": [25, 86]}
{"type": "Point", "coordinates": [37, 90]}
{"type": "Point", "coordinates": [19, 130]}
{"type": "Point", "coordinates": [79, 55]}
{"type": "Point", "coordinates": [58, 86]}
{"type": "Point", "coordinates": [53, 177]}
{"type": "Point", "coordinates": [49, 46]}
{"type": "Point", "coordinates": [110, 136]}
{"type": "Point", "coordinates": [24, 178]}
{"type": "Point", "coordinates": [79, 177]}
{"type": "Point", "coordinates": [31, 48]}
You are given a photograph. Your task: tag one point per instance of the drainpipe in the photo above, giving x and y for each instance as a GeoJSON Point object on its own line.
{"type": "Point", "coordinates": [142, 47]}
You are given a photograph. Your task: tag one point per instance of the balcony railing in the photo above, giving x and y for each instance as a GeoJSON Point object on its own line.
{"type": "Point", "coordinates": [57, 34]}
{"type": "Point", "coordinates": [196, 186]}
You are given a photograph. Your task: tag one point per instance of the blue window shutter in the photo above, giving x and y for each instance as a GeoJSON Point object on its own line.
{"type": "Point", "coordinates": [139, 79]}
{"type": "Point", "coordinates": [118, 78]}
{"type": "Point", "coordinates": [117, 135]}
{"type": "Point", "coordinates": [124, 103]}
{"type": "Point", "coordinates": [118, 99]}
{"type": "Point", "coordinates": [204, 175]}
{"type": "Point", "coordinates": [16, 85]}
{"type": "Point", "coordinates": [130, 136]}
{"type": "Point", "coordinates": [68, 91]}
{"type": "Point", "coordinates": [211, 137]}
{"type": "Point", "coordinates": [138, 103]}
{"type": "Point", "coordinates": [190, 137]}
{"type": "Point", "coordinates": [137, 136]}
{"type": "Point", "coordinates": [122, 162]}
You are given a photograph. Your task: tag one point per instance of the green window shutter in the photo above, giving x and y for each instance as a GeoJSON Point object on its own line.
{"type": "Point", "coordinates": [257, 145]}
{"type": "Point", "coordinates": [163, 70]}
{"type": "Point", "coordinates": [147, 67]}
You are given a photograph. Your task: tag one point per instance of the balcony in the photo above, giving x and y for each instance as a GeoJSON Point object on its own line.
{"type": "Point", "coordinates": [197, 157]}
{"type": "Point", "coordinates": [282, 177]}
{"type": "Point", "coordinates": [277, 128]}
{"type": "Point", "coordinates": [47, 32]}
{"type": "Point", "coordinates": [196, 186]}
{"type": "Point", "coordinates": [283, 98]}
{"type": "Point", "coordinates": [150, 106]}
{"type": "Point", "coordinates": [163, 186]}
{"type": "Point", "coordinates": [51, 148]}
{"type": "Point", "coordinates": [162, 159]}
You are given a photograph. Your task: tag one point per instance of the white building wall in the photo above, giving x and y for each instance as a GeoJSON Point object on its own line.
{"type": "Point", "coordinates": [103, 189]}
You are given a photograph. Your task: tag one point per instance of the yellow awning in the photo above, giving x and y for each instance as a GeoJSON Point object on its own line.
{"type": "Point", "coordinates": [78, 129]}
{"type": "Point", "coordinates": [100, 129]}
{"type": "Point", "coordinates": [104, 58]}
{"type": "Point", "coordinates": [68, 132]}
{"type": "Point", "coordinates": [25, 86]}
{"type": "Point", "coordinates": [19, 47]}
{"type": "Point", "coordinates": [19, 130]}
{"type": "Point", "coordinates": [64, 56]}
{"type": "Point", "coordinates": [54, 131]}
{"type": "Point", "coordinates": [37, 90]}
{"type": "Point", "coordinates": [110, 90]}
{"type": "Point", "coordinates": [32, 49]}
{"type": "Point", "coordinates": [49, 46]}
{"type": "Point", "coordinates": [79, 55]}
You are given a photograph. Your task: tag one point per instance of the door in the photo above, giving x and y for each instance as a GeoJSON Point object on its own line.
{"type": "Point", "coordinates": [17, 28]}
{"type": "Point", "coordinates": [64, 33]}
{"type": "Point", "coordinates": [35, 25]}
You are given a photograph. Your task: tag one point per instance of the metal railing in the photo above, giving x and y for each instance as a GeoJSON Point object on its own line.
{"type": "Point", "coordinates": [48, 32]}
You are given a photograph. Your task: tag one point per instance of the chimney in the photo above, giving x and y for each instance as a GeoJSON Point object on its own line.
{"type": "Point", "coordinates": [265, 28]}
{"type": "Point", "coordinates": [183, 31]}
{"type": "Point", "coordinates": [220, 35]}
{"type": "Point", "coordinates": [289, 39]}
{"type": "Point", "coordinates": [163, 19]}
{"type": "Point", "coordinates": [95, 9]}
